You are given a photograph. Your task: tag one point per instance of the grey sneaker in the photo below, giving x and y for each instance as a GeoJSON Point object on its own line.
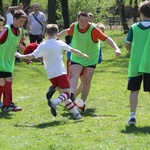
{"type": "Point", "coordinates": [77, 116]}
{"type": "Point", "coordinates": [50, 92]}
{"type": "Point", "coordinates": [52, 105]}
{"type": "Point", "coordinates": [132, 121]}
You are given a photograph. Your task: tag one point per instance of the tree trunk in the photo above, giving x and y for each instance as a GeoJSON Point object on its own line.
{"type": "Point", "coordinates": [14, 2]}
{"type": "Point", "coordinates": [26, 5]}
{"type": "Point", "coordinates": [65, 14]}
{"type": "Point", "coordinates": [52, 11]}
{"type": "Point", "coordinates": [135, 11]}
{"type": "Point", "coordinates": [121, 6]}
{"type": "Point", "coordinates": [1, 7]}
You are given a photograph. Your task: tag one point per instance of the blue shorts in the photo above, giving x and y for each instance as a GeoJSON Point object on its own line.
{"type": "Point", "coordinates": [134, 83]}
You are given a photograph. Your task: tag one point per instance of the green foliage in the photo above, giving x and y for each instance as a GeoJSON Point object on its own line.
{"type": "Point", "coordinates": [97, 7]}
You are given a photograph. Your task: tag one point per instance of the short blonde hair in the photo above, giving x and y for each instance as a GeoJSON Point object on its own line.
{"type": "Point", "coordinates": [52, 29]}
{"type": "Point", "coordinates": [100, 26]}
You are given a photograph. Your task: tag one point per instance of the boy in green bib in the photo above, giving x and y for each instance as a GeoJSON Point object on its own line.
{"type": "Point", "coordinates": [137, 43]}
{"type": "Point", "coordinates": [10, 37]}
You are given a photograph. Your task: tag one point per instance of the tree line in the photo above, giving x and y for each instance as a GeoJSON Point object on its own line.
{"type": "Point", "coordinates": [64, 12]}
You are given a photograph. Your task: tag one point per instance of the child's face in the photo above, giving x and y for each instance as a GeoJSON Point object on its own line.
{"type": "Point", "coordinates": [19, 22]}
{"type": "Point", "coordinates": [1, 24]}
{"type": "Point", "coordinates": [83, 22]}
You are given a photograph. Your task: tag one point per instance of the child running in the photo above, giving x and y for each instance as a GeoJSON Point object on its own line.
{"type": "Point", "coordinates": [51, 51]}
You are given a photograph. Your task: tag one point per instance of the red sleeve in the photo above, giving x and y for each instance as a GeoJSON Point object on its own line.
{"type": "Point", "coordinates": [3, 35]}
{"type": "Point", "coordinates": [98, 35]}
{"type": "Point", "coordinates": [71, 29]}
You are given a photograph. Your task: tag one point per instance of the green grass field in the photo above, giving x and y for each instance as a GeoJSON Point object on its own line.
{"type": "Point", "coordinates": [102, 127]}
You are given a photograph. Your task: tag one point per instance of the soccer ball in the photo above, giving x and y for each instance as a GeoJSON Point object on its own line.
{"type": "Point", "coordinates": [80, 105]}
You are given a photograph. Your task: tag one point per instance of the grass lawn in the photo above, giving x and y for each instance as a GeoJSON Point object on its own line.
{"type": "Point", "coordinates": [102, 127]}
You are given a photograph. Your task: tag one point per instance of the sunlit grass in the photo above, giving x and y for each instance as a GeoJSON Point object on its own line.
{"type": "Point", "coordinates": [104, 124]}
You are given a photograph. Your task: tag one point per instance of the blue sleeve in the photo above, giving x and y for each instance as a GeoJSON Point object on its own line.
{"type": "Point", "coordinates": [69, 54]}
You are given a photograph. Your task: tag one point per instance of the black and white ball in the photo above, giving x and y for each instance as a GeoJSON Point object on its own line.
{"type": "Point", "coordinates": [81, 105]}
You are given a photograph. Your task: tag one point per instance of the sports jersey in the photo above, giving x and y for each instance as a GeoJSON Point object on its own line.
{"type": "Point", "coordinates": [7, 50]}
{"type": "Point", "coordinates": [139, 37]}
{"type": "Point", "coordinates": [51, 51]}
{"type": "Point", "coordinates": [87, 41]}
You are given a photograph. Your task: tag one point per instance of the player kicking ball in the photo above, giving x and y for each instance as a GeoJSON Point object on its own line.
{"type": "Point", "coordinates": [51, 51]}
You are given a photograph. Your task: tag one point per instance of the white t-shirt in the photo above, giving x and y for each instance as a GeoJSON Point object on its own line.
{"type": "Point", "coordinates": [36, 28]}
{"type": "Point", "coordinates": [9, 19]}
{"type": "Point", "coordinates": [51, 51]}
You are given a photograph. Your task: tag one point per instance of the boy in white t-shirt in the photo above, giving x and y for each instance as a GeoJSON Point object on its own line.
{"type": "Point", "coordinates": [51, 51]}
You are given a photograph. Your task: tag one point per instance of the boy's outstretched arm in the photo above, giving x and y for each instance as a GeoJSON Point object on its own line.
{"type": "Point", "coordinates": [77, 52]}
{"type": "Point", "coordinates": [28, 56]}
{"type": "Point", "coordinates": [111, 42]}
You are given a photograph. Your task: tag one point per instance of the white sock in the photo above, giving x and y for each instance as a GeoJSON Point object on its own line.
{"type": "Point", "coordinates": [63, 97]}
{"type": "Point", "coordinates": [132, 115]}
{"type": "Point", "coordinates": [71, 107]}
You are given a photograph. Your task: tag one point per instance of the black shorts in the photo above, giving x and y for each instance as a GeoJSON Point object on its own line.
{"type": "Point", "coordinates": [134, 83]}
{"type": "Point", "coordinates": [5, 74]}
{"type": "Point", "coordinates": [92, 66]}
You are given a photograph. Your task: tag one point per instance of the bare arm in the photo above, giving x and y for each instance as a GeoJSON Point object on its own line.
{"type": "Point", "coordinates": [113, 45]}
{"type": "Point", "coordinates": [77, 52]}
{"type": "Point", "coordinates": [44, 28]}
{"type": "Point", "coordinates": [28, 27]}
{"type": "Point", "coordinates": [20, 6]}
{"type": "Point", "coordinates": [128, 46]}
{"type": "Point", "coordinates": [28, 56]}
{"type": "Point", "coordinates": [63, 33]}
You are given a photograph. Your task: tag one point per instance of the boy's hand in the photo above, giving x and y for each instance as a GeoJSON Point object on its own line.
{"type": "Point", "coordinates": [117, 52]}
{"type": "Point", "coordinates": [17, 54]}
{"type": "Point", "coordinates": [86, 56]}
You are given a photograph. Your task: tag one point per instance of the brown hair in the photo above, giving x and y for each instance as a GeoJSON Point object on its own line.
{"type": "Point", "coordinates": [83, 13]}
{"type": "Point", "coordinates": [19, 14]}
{"type": "Point", "coordinates": [145, 8]}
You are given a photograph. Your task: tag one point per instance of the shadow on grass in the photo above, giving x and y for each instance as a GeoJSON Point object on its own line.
{"type": "Point", "coordinates": [6, 115]}
{"type": "Point", "coordinates": [136, 130]}
{"type": "Point", "coordinates": [50, 124]}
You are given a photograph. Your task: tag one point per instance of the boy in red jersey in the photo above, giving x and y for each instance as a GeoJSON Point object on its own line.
{"type": "Point", "coordinates": [10, 35]}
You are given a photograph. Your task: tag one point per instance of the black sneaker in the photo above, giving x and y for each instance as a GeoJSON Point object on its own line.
{"type": "Point", "coordinates": [132, 121]}
{"type": "Point", "coordinates": [12, 107]}
{"type": "Point", "coordinates": [72, 97]}
{"type": "Point", "coordinates": [52, 105]}
{"type": "Point", "coordinates": [50, 92]}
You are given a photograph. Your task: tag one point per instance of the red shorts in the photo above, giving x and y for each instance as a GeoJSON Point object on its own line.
{"type": "Point", "coordinates": [61, 81]}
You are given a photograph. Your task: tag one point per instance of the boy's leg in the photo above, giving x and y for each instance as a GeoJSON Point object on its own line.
{"type": "Point", "coordinates": [72, 108]}
{"type": "Point", "coordinates": [8, 105]}
{"type": "Point", "coordinates": [1, 92]}
{"type": "Point", "coordinates": [53, 104]}
{"type": "Point", "coordinates": [133, 106]}
{"type": "Point", "coordinates": [134, 84]}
